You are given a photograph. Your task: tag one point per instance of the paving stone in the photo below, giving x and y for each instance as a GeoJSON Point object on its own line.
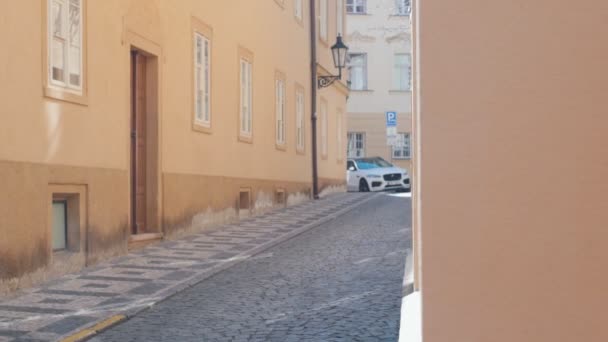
{"type": "Point", "coordinates": [105, 278]}
{"type": "Point", "coordinates": [97, 286]}
{"type": "Point", "coordinates": [151, 268]}
{"type": "Point", "coordinates": [55, 301]}
{"type": "Point", "coordinates": [313, 287]}
{"type": "Point", "coordinates": [131, 273]}
{"type": "Point", "coordinates": [242, 248]}
{"type": "Point", "coordinates": [114, 301]}
{"type": "Point", "coordinates": [12, 333]}
{"type": "Point", "coordinates": [34, 310]}
{"type": "Point", "coordinates": [178, 275]}
{"type": "Point", "coordinates": [147, 289]}
{"type": "Point", "coordinates": [224, 255]}
{"type": "Point", "coordinates": [203, 266]}
{"type": "Point", "coordinates": [147, 271]}
{"type": "Point", "coordinates": [67, 324]}
{"type": "Point", "coordinates": [78, 293]}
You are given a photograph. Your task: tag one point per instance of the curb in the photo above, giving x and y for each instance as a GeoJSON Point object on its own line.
{"type": "Point", "coordinates": [95, 329]}
{"type": "Point", "coordinates": [107, 323]}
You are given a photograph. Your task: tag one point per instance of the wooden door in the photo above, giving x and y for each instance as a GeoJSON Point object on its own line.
{"type": "Point", "coordinates": [138, 142]}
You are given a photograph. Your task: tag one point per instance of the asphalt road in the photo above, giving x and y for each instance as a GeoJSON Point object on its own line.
{"type": "Point", "coordinates": [341, 281]}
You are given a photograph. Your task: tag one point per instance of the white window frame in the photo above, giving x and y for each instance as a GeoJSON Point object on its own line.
{"type": "Point", "coordinates": [405, 149]}
{"type": "Point", "coordinates": [324, 149]}
{"type": "Point", "coordinates": [403, 7]}
{"type": "Point", "coordinates": [202, 80]}
{"type": "Point", "coordinates": [352, 6]}
{"type": "Point", "coordinates": [402, 72]}
{"type": "Point", "coordinates": [298, 10]}
{"type": "Point", "coordinates": [280, 109]}
{"type": "Point", "coordinates": [363, 67]}
{"type": "Point", "coordinates": [323, 20]}
{"type": "Point", "coordinates": [353, 139]}
{"type": "Point", "coordinates": [67, 38]}
{"type": "Point", "coordinates": [246, 98]}
{"type": "Point", "coordinates": [300, 120]}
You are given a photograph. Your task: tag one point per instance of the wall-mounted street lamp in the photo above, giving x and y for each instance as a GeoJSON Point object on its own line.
{"type": "Point", "coordinates": [339, 52]}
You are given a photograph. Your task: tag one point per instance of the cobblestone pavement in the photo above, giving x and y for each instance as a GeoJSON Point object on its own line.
{"type": "Point", "coordinates": [130, 284]}
{"type": "Point", "coordinates": [340, 281]}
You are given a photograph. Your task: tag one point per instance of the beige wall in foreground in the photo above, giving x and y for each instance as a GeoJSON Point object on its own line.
{"type": "Point", "coordinates": [514, 135]}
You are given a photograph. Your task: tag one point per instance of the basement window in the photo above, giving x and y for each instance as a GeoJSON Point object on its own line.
{"type": "Point", "coordinates": [60, 225]}
{"type": "Point", "coordinates": [280, 197]}
{"type": "Point", "coordinates": [65, 221]}
{"type": "Point", "coordinates": [245, 199]}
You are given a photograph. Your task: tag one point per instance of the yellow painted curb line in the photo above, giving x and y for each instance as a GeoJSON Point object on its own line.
{"type": "Point", "coordinates": [88, 332]}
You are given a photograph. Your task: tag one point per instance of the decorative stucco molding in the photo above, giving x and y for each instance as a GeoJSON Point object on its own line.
{"type": "Point", "coordinates": [359, 37]}
{"type": "Point", "coordinates": [398, 38]}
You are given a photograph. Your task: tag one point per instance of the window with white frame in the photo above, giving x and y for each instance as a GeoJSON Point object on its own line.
{"type": "Point", "coordinates": [202, 80]}
{"type": "Point", "coordinates": [324, 128]}
{"type": "Point", "coordinates": [280, 110]}
{"type": "Point", "coordinates": [357, 67]}
{"type": "Point", "coordinates": [356, 6]}
{"type": "Point", "coordinates": [300, 120]}
{"type": "Point", "coordinates": [65, 44]}
{"type": "Point", "coordinates": [340, 17]}
{"type": "Point", "coordinates": [402, 72]}
{"type": "Point", "coordinates": [246, 98]}
{"type": "Point", "coordinates": [402, 148]}
{"type": "Point", "coordinates": [404, 7]}
{"type": "Point", "coordinates": [298, 9]}
{"type": "Point", "coordinates": [356, 145]}
{"type": "Point", "coordinates": [323, 19]}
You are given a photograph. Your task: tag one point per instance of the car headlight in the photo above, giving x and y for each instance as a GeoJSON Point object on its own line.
{"type": "Point", "coordinates": [374, 176]}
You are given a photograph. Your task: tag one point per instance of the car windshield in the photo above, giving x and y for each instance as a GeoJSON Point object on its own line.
{"type": "Point", "coordinates": [372, 163]}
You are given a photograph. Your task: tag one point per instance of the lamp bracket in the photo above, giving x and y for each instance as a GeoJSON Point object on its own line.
{"type": "Point", "coordinates": [326, 81]}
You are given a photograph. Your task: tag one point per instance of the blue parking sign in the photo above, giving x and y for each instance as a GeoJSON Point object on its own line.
{"type": "Point", "coordinates": [391, 119]}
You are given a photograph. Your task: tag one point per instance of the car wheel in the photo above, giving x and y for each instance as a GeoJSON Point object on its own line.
{"type": "Point", "coordinates": [363, 187]}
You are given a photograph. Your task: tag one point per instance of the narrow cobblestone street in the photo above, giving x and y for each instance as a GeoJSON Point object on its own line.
{"type": "Point", "coordinates": [340, 281]}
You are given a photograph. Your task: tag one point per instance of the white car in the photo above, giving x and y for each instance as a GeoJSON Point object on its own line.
{"type": "Point", "coordinates": [375, 174]}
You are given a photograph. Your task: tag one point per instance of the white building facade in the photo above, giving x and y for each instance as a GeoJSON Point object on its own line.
{"type": "Point", "coordinates": [379, 38]}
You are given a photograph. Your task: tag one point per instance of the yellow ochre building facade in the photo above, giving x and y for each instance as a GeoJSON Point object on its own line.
{"type": "Point", "coordinates": [127, 121]}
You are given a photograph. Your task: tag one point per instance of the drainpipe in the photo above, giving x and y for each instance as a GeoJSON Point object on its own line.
{"type": "Point", "coordinates": [313, 97]}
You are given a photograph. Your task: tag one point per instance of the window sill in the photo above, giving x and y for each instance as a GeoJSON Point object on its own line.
{"type": "Point", "coordinates": [395, 158]}
{"type": "Point", "coordinates": [199, 127]}
{"type": "Point", "coordinates": [361, 90]}
{"type": "Point", "coordinates": [397, 91]}
{"type": "Point", "coordinates": [281, 147]}
{"type": "Point", "coordinates": [66, 96]}
{"type": "Point", "coordinates": [301, 151]}
{"type": "Point", "coordinates": [245, 139]}
{"type": "Point", "coordinates": [323, 41]}
{"type": "Point", "coordinates": [360, 14]}
{"type": "Point", "coordinates": [299, 21]}
{"type": "Point", "coordinates": [324, 157]}
{"type": "Point", "coordinates": [401, 15]}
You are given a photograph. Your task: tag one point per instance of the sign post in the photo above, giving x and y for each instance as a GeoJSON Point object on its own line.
{"type": "Point", "coordinates": [391, 128]}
